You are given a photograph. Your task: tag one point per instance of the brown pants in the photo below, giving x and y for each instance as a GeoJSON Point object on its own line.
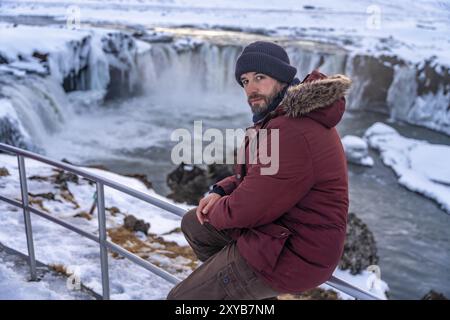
{"type": "Point", "coordinates": [224, 274]}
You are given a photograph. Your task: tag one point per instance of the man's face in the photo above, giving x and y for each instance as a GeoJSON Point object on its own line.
{"type": "Point", "coordinates": [260, 89]}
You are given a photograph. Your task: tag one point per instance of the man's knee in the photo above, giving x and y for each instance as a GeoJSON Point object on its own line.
{"type": "Point", "coordinates": [189, 221]}
{"type": "Point", "coordinates": [172, 294]}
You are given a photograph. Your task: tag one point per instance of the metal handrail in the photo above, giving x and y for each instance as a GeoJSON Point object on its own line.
{"type": "Point", "coordinates": [106, 245]}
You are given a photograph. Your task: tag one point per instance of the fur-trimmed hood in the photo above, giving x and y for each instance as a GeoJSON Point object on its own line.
{"type": "Point", "coordinates": [317, 93]}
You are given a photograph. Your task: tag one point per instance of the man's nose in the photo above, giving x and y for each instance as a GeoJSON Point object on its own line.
{"type": "Point", "coordinates": [251, 89]}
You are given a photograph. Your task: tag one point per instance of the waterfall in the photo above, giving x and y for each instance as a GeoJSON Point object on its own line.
{"type": "Point", "coordinates": [40, 108]}
{"type": "Point", "coordinates": [95, 65]}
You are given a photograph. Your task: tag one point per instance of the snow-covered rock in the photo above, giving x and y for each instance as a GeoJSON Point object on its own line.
{"type": "Point", "coordinates": [36, 74]}
{"type": "Point", "coordinates": [420, 166]}
{"type": "Point", "coordinates": [356, 150]}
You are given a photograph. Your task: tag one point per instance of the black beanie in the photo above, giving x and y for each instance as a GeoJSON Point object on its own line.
{"type": "Point", "coordinates": [265, 57]}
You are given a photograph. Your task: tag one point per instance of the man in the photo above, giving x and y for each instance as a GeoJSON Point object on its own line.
{"type": "Point", "coordinates": [262, 235]}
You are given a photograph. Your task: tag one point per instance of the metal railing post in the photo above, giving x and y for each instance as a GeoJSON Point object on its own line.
{"type": "Point", "coordinates": [26, 217]}
{"type": "Point", "coordinates": [103, 239]}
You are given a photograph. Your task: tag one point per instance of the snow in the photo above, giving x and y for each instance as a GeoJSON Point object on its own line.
{"type": "Point", "coordinates": [15, 284]}
{"type": "Point", "coordinates": [414, 31]}
{"type": "Point", "coordinates": [420, 166]}
{"type": "Point", "coordinates": [20, 43]}
{"type": "Point", "coordinates": [428, 160]}
{"type": "Point", "coordinates": [61, 52]}
{"type": "Point", "coordinates": [366, 280]}
{"type": "Point", "coordinates": [56, 245]}
{"type": "Point", "coordinates": [356, 150]}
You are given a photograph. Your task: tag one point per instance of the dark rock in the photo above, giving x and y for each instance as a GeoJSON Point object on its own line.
{"type": "Point", "coordinates": [360, 250]}
{"type": "Point", "coordinates": [63, 177]}
{"type": "Point", "coordinates": [131, 223]}
{"type": "Point", "coordinates": [38, 178]}
{"type": "Point", "coordinates": [43, 57]}
{"type": "Point", "coordinates": [48, 196]}
{"type": "Point", "coordinates": [113, 210]}
{"type": "Point", "coordinates": [433, 295]}
{"type": "Point", "coordinates": [160, 37]}
{"type": "Point", "coordinates": [188, 183]}
{"type": "Point", "coordinates": [4, 172]}
{"type": "Point", "coordinates": [372, 95]}
{"type": "Point", "coordinates": [217, 172]}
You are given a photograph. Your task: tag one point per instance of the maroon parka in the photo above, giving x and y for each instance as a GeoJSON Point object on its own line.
{"type": "Point", "coordinates": [290, 226]}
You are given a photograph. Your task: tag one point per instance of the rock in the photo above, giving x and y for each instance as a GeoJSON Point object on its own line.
{"type": "Point", "coordinates": [153, 36]}
{"type": "Point", "coordinates": [4, 172]}
{"type": "Point", "coordinates": [433, 295]}
{"type": "Point", "coordinates": [217, 172]}
{"type": "Point", "coordinates": [47, 195]}
{"type": "Point", "coordinates": [357, 151]}
{"type": "Point", "coordinates": [63, 177]}
{"type": "Point", "coordinates": [83, 214]}
{"type": "Point", "coordinates": [360, 250]}
{"type": "Point", "coordinates": [113, 211]}
{"type": "Point", "coordinates": [131, 223]}
{"type": "Point", "coordinates": [188, 184]}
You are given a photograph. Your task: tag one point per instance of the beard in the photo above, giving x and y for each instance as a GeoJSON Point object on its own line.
{"type": "Point", "coordinates": [264, 103]}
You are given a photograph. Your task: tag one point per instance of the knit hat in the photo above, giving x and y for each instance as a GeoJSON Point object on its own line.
{"type": "Point", "coordinates": [265, 57]}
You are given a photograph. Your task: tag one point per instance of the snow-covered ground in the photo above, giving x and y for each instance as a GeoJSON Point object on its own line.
{"type": "Point", "coordinates": [55, 245]}
{"type": "Point", "coordinates": [412, 30]}
{"type": "Point", "coordinates": [420, 166]}
{"type": "Point", "coordinates": [15, 284]}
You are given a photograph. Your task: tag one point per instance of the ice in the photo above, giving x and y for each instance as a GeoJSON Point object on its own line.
{"type": "Point", "coordinates": [420, 166]}
{"type": "Point", "coordinates": [356, 150]}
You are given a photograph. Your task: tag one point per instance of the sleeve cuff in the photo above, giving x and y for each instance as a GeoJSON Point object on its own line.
{"type": "Point", "coordinates": [219, 190]}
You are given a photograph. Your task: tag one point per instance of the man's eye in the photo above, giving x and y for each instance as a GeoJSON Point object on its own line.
{"type": "Point", "coordinates": [259, 77]}
{"type": "Point", "coordinates": [244, 82]}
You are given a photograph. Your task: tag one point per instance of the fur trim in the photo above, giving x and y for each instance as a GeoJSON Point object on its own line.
{"type": "Point", "coordinates": [308, 96]}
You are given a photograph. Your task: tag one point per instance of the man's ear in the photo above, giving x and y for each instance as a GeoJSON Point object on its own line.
{"type": "Point", "coordinates": [282, 85]}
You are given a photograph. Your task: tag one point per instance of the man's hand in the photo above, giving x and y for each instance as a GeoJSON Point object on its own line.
{"type": "Point", "coordinates": [205, 205]}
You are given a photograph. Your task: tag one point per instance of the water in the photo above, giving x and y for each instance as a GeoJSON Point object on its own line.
{"type": "Point", "coordinates": [412, 233]}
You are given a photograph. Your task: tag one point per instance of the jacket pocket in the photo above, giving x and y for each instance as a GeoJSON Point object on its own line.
{"type": "Point", "coordinates": [264, 245]}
